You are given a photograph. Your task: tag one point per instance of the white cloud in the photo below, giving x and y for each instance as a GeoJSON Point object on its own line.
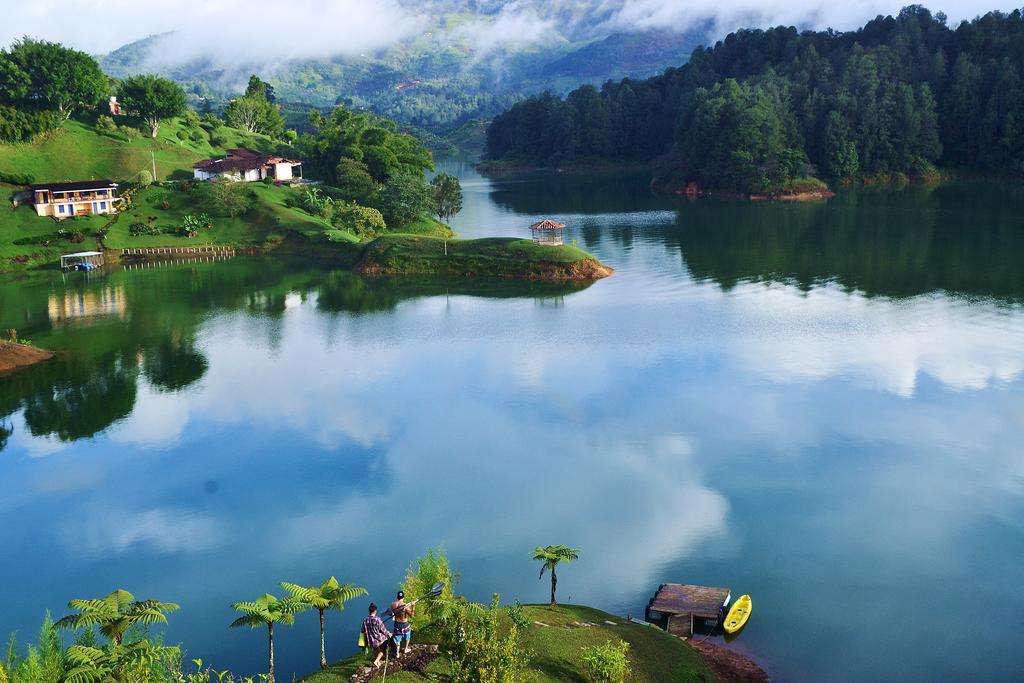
{"type": "Point", "coordinates": [162, 530]}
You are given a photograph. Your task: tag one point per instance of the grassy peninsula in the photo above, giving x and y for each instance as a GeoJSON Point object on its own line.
{"type": "Point", "coordinates": [553, 639]}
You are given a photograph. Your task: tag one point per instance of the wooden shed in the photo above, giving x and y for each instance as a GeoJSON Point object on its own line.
{"type": "Point", "coordinates": [676, 605]}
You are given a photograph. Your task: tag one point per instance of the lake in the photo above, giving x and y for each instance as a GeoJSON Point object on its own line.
{"type": "Point", "coordinates": [820, 405]}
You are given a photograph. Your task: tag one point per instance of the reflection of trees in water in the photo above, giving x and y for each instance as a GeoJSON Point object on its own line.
{"type": "Point", "coordinates": [342, 291]}
{"type": "Point", "coordinates": [74, 399]}
{"type": "Point", "coordinates": [884, 243]}
{"type": "Point", "coordinates": [6, 429]}
{"type": "Point", "coordinates": [173, 365]}
{"type": "Point", "coordinates": [562, 193]}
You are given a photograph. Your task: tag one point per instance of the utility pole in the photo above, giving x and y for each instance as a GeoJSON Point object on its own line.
{"type": "Point", "coordinates": [152, 152]}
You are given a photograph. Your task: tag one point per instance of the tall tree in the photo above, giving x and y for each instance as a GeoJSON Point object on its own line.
{"type": "Point", "coordinates": [447, 196]}
{"type": "Point", "coordinates": [152, 99]}
{"type": "Point", "coordinates": [328, 595]}
{"type": "Point", "coordinates": [115, 614]}
{"type": "Point", "coordinates": [268, 610]}
{"type": "Point", "coordinates": [550, 557]}
{"type": "Point", "coordinates": [58, 77]}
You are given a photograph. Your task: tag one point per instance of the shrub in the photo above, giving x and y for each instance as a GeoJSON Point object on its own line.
{"type": "Point", "coordinates": [105, 125]}
{"type": "Point", "coordinates": [478, 651]}
{"type": "Point", "coordinates": [181, 135]}
{"type": "Point", "coordinates": [143, 178]}
{"type": "Point", "coordinates": [136, 229]}
{"type": "Point", "coordinates": [17, 125]}
{"type": "Point", "coordinates": [608, 663]}
{"type": "Point", "coordinates": [223, 197]}
{"type": "Point", "coordinates": [361, 221]}
{"type": "Point", "coordinates": [218, 139]}
{"type": "Point", "coordinates": [129, 132]}
{"type": "Point", "coordinates": [17, 178]}
{"type": "Point", "coordinates": [196, 136]}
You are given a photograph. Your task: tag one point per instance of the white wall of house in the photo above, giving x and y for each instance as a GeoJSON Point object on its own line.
{"type": "Point", "coordinates": [283, 171]}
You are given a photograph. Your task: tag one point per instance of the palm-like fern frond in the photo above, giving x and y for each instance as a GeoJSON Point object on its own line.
{"type": "Point", "coordinates": [115, 613]}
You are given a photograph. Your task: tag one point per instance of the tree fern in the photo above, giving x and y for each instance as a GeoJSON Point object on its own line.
{"type": "Point", "coordinates": [328, 595]}
{"type": "Point", "coordinates": [115, 614]}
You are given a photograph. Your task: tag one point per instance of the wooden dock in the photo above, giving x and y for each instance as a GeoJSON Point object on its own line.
{"type": "Point", "coordinates": [675, 606]}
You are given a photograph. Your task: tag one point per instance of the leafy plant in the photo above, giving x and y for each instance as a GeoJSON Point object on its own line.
{"type": "Point", "coordinates": [608, 663]}
{"type": "Point", "coordinates": [328, 595]}
{"type": "Point", "coordinates": [115, 614]}
{"type": "Point", "coordinates": [478, 651]}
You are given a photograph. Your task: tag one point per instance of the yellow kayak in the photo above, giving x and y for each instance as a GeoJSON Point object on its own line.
{"type": "Point", "coordinates": [738, 614]}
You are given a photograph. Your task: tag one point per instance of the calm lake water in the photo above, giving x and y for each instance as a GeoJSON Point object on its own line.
{"type": "Point", "coordinates": [820, 405]}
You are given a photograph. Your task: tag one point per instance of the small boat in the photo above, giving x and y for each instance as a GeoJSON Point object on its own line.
{"type": "Point", "coordinates": [738, 614]}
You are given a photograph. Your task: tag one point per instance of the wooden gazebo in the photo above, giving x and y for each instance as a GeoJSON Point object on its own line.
{"type": "Point", "coordinates": [547, 232]}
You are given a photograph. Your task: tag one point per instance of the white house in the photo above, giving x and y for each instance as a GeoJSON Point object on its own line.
{"type": "Point", "coordinates": [246, 165]}
{"type": "Point", "coordinates": [82, 198]}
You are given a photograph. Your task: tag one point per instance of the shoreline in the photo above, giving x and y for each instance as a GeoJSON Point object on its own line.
{"type": "Point", "coordinates": [15, 356]}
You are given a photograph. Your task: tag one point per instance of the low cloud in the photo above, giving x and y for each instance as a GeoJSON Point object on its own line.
{"type": "Point", "coordinates": [264, 34]}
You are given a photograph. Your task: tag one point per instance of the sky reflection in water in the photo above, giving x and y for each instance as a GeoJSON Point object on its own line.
{"type": "Point", "coordinates": [754, 400]}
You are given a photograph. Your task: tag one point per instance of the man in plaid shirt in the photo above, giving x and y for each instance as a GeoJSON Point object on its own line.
{"type": "Point", "coordinates": [377, 636]}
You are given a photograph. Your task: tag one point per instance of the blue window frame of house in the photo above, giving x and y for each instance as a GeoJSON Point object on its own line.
{"type": "Point", "coordinates": [60, 209]}
{"type": "Point", "coordinates": [103, 206]}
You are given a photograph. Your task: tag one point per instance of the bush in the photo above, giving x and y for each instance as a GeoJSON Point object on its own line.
{"type": "Point", "coordinates": [17, 125]}
{"type": "Point", "coordinates": [196, 136]}
{"type": "Point", "coordinates": [218, 139]}
{"type": "Point", "coordinates": [608, 663]}
{"type": "Point", "coordinates": [478, 651]}
{"type": "Point", "coordinates": [143, 178]}
{"type": "Point", "coordinates": [136, 229]}
{"type": "Point", "coordinates": [17, 178]}
{"type": "Point", "coordinates": [361, 221]}
{"type": "Point", "coordinates": [129, 132]}
{"type": "Point", "coordinates": [223, 197]}
{"type": "Point", "coordinates": [105, 125]}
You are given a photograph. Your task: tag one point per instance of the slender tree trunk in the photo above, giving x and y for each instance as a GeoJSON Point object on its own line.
{"type": "Point", "coordinates": [154, 125]}
{"type": "Point", "coordinates": [323, 648]}
{"type": "Point", "coordinates": [554, 584]}
{"type": "Point", "coordinates": [270, 632]}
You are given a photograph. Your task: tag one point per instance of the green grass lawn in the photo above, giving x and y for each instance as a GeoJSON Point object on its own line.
{"type": "Point", "coordinates": [555, 650]}
{"type": "Point", "coordinates": [266, 223]}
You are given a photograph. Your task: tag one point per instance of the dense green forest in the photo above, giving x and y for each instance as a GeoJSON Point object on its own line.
{"type": "Point", "coordinates": [764, 109]}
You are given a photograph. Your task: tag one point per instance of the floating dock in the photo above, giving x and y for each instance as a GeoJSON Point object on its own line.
{"type": "Point", "coordinates": [676, 605]}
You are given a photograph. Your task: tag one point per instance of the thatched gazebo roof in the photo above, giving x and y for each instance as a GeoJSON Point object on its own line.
{"type": "Point", "coordinates": [547, 224]}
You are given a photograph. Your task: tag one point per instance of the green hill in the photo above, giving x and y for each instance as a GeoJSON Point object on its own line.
{"type": "Point", "coordinates": [76, 151]}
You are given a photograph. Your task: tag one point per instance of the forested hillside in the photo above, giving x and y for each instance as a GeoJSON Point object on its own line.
{"type": "Point", "coordinates": [763, 109]}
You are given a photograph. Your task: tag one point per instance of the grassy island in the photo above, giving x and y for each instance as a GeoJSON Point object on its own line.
{"type": "Point", "coordinates": [501, 257]}
{"type": "Point", "coordinates": [554, 640]}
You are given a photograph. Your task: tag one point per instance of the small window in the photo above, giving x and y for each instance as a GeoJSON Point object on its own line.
{"type": "Point", "coordinates": [60, 209]}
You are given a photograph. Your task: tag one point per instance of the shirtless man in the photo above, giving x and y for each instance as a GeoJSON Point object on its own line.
{"type": "Point", "coordinates": [403, 611]}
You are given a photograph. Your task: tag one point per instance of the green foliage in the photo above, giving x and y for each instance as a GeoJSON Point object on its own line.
{"type": "Point", "coordinates": [900, 94]}
{"type": "Point", "coordinates": [42, 663]}
{"type": "Point", "coordinates": [363, 221]}
{"type": "Point", "coordinates": [421, 576]}
{"type": "Point", "coordinates": [608, 663]}
{"type": "Point", "coordinates": [105, 125]}
{"type": "Point", "coordinates": [223, 197]}
{"type": "Point", "coordinates": [152, 99]}
{"type": "Point", "coordinates": [479, 651]}
{"type": "Point", "coordinates": [20, 125]}
{"type": "Point", "coordinates": [44, 75]}
{"type": "Point", "coordinates": [447, 193]}
{"type": "Point", "coordinates": [405, 197]}
{"type": "Point", "coordinates": [115, 614]}
{"type": "Point", "coordinates": [17, 178]}
{"type": "Point", "coordinates": [194, 222]}
{"type": "Point", "coordinates": [115, 663]}
{"type": "Point", "coordinates": [363, 138]}
{"type": "Point", "coordinates": [254, 114]}
{"type": "Point", "coordinates": [143, 179]}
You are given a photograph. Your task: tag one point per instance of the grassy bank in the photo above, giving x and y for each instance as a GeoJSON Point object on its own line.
{"type": "Point", "coordinates": [555, 650]}
{"type": "Point", "coordinates": [501, 257]}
